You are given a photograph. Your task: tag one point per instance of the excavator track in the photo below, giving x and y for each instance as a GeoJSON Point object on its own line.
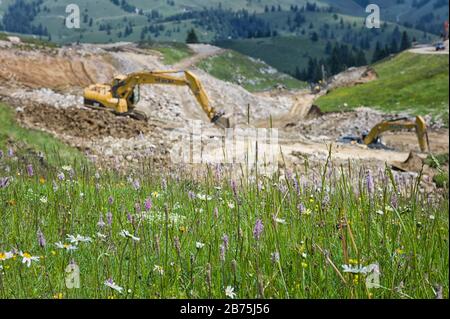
{"type": "Point", "coordinates": [135, 114]}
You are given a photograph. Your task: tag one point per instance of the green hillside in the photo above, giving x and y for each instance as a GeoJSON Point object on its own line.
{"type": "Point", "coordinates": [251, 74]}
{"type": "Point", "coordinates": [410, 82]}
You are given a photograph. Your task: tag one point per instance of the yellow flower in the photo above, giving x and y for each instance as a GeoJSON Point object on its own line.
{"type": "Point", "coordinates": [59, 295]}
{"type": "Point", "coordinates": [111, 297]}
{"type": "Point", "coordinates": [53, 252]}
{"type": "Point", "coordinates": [155, 194]}
{"type": "Point", "coordinates": [353, 261]}
{"type": "Point", "coordinates": [355, 279]}
{"type": "Point", "coordinates": [304, 265]}
{"type": "Point", "coordinates": [182, 229]}
{"type": "Point", "coordinates": [42, 180]}
{"type": "Point", "coordinates": [399, 251]}
{"type": "Point", "coordinates": [12, 202]}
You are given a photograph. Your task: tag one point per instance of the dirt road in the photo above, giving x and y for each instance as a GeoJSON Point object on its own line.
{"type": "Point", "coordinates": [201, 52]}
{"type": "Point", "coordinates": [431, 50]}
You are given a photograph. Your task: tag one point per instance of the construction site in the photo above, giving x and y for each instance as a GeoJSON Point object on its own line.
{"type": "Point", "coordinates": [45, 86]}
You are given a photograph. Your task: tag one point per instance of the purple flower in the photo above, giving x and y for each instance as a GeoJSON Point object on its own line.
{"type": "Point", "coordinates": [4, 182]}
{"type": "Point", "coordinates": [164, 184]}
{"type": "Point", "coordinates": [191, 195]}
{"type": "Point", "coordinates": [222, 252]}
{"type": "Point", "coordinates": [259, 227]}
{"type": "Point", "coordinates": [136, 185]}
{"type": "Point", "coordinates": [109, 218]}
{"type": "Point", "coordinates": [101, 223]}
{"type": "Point", "coordinates": [234, 187]}
{"type": "Point", "coordinates": [137, 208]}
{"type": "Point", "coordinates": [297, 188]}
{"type": "Point", "coordinates": [301, 208]}
{"type": "Point", "coordinates": [110, 200]}
{"type": "Point", "coordinates": [225, 240]}
{"type": "Point", "coordinates": [129, 217]}
{"type": "Point", "coordinates": [41, 238]}
{"type": "Point", "coordinates": [30, 170]}
{"type": "Point", "coordinates": [370, 184]}
{"type": "Point", "coordinates": [10, 152]}
{"type": "Point", "coordinates": [216, 212]}
{"type": "Point", "coordinates": [394, 200]}
{"type": "Point", "coordinates": [148, 204]}
{"type": "Point", "coordinates": [61, 176]}
{"type": "Point", "coordinates": [1, 154]}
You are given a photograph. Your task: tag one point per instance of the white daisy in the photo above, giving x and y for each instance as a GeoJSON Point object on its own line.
{"type": "Point", "coordinates": [28, 259]}
{"type": "Point", "coordinates": [6, 255]}
{"type": "Point", "coordinates": [43, 200]}
{"type": "Point", "coordinates": [199, 245]}
{"type": "Point", "coordinates": [126, 234]}
{"type": "Point", "coordinates": [204, 197]}
{"type": "Point", "coordinates": [158, 269]}
{"type": "Point", "coordinates": [229, 292]}
{"type": "Point", "coordinates": [111, 284]}
{"type": "Point", "coordinates": [78, 239]}
{"type": "Point", "coordinates": [67, 247]}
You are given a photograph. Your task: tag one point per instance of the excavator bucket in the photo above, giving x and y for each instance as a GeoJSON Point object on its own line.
{"type": "Point", "coordinates": [222, 121]}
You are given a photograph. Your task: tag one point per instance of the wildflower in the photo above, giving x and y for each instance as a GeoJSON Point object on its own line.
{"type": "Point", "coordinates": [280, 221]}
{"type": "Point", "coordinates": [101, 236]}
{"type": "Point", "coordinates": [41, 238]}
{"type": "Point", "coordinates": [61, 176]}
{"type": "Point", "coordinates": [230, 205]}
{"type": "Point", "coordinates": [148, 204]}
{"type": "Point", "coordinates": [234, 188]}
{"type": "Point", "coordinates": [101, 223]}
{"type": "Point", "coordinates": [164, 183]}
{"type": "Point", "coordinates": [301, 208]}
{"type": "Point", "coordinates": [229, 292]}
{"type": "Point", "coordinates": [191, 195]}
{"type": "Point", "coordinates": [370, 184]}
{"type": "Point", "coordinates": [6, 255]}
{"type": "Point", "coordinates": [380, 212]}
{"type": "Point", "coordinates": [155, 194]}
{"type": "Point", "coordinates": [111, 284]}
{"type": "Point", "coordinates": [225, 240]}
{"type": "Point", "coordinates": [304, 265]}
{"type": "Point", "coordinates": [275, 257]}
{"type": "Point", "coordinates": [359, 269]}
{"type": "Point", "coordinates": [58, 296]}
{"type": "Point", "coordinates": [43, 200]}
{"type": "Point", "coordinates": [4, 182]}
{"type": "Point", "coordinates": [109, 218]}
{"type": "Point", "coordinates": [222, 252]}
{"type": "Point", "coordinates": [110, 200]}
{"type": "Point", "coordinates": [126, 234]}
{"type": "Point", "coordinates": [30, 170]}
{"type": "Point", "coordinates": [78, 239]}
{"type": "Point", "coordinates": [10, 152]}
{"type": "Point", "coordinates": [353, 261]}
{"type": "Point", "coordinates": [28, 258]}
{"type": "Point", "coordinates": [431, 217]}
{"type": "Point", "coordinates": [199, 245]}
{"type": "Point", "coordinates": [41, 180]}
{"type": "Point", "coordinates": [216, 212]}
{"type": "Point", "coordinates": [67, 168]}
{"type": "Point", "coordinates": [136, 184]}
{"type": "Point", "coordinates": [259, 227]}
{"type": "Point", "coordinates": [158, 269]}
{"type": "Point", "coordinates": [67, 247]}
{"type": "Point", "coordinates": [204, 197]}
{"type": "Point", "coordinates": [394, 200]}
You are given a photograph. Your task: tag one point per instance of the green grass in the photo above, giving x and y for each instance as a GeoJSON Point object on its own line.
{"type": "Point", "coordinates": [172, 52]}
{"type": "Point", "coordinates": [408, 82]}
{"type": "Point", "coordinates": [35, 141]}
{"type": "Point", "coordinates": [182, 252]}
{"type": "Point", "coordinates": [251, 74]}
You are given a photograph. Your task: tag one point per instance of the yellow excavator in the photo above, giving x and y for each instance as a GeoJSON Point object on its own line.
{"type": "Point", "coordinates": [122, 95]}
{"type": "Point", "coordinates": [372, 138]}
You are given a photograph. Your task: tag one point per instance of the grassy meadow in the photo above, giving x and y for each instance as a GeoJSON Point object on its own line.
{"type": "Point", "coordinates": [417, 83]}
{"type": "Point", "coordinates": [176, 234]}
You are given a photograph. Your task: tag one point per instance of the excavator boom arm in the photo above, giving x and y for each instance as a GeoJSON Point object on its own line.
{"type": "Point", "coordinates": [395, 125]}
{"type": "Point", "coordinates": [125, 88]}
